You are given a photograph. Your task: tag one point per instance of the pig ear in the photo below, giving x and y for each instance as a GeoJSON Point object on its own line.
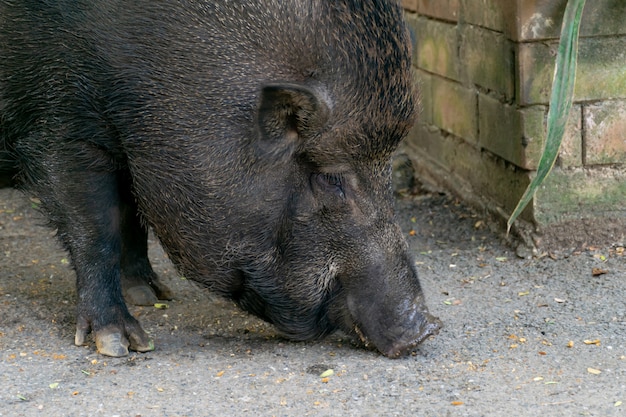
{"type": "Point", "coordinates": [289, 113]}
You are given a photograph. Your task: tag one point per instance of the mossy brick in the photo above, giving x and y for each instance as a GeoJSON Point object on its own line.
{"type": "Point", "coordinates": [424, 85]}
{"type": "Point", "coordinates": [537, 19]}
{"type": "Point", "coordinates": [426, 141]}
{"type": "Point", "coordinates": [535, 131]}
{"type": "Point", "coordinates": [491, 14]}
{"type": "Point", "coordinates": [436, 47]}
{"type": "Point", "coordinates": [454, 108]}
{"type": "Point", "coordinates": [500, 130]}
{"type": "Point", "coordinates": [497, 183]}
{"type": "Point", "coordinates": [440, 9]}
{"type": "Point", "coordinates": [605, 132]}
{"type": "Point", "coordinates": [542, 19]}
{"type": "Point", "coordinates": [488, 59]}
{"type": "Point", "coordinates": [433, 153]}
{"type": "Point", "coordinates": [578, 193]}
{"type": "Point", "coordinates": [601, 72]}
{"type": "Point", "coordinates": [571, 152]}
{"type": "Point", "coordinates": [602, 17]}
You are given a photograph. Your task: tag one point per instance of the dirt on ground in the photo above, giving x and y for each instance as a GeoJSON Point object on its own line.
{"type": "Point", "coordinates": [523, 337]}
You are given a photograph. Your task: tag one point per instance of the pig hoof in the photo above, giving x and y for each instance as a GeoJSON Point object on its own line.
{"type": "Point", "coordinates": [115, 341]}
{"type": "Point", "coordinates": [111, 342]}
{"type": "Point", "coordinates": [144, 290]}
{"type": "Point", "coordinates": [140, 295]}
{"type": "Point", "coordinates": [161, 290]}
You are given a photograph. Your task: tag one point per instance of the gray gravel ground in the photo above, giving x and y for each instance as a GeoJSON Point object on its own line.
{"type": "Point", "coordinates": [516, 339]}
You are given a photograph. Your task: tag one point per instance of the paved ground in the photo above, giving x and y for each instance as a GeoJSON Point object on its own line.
{"type": "Point", "coordinates": [538, 337]}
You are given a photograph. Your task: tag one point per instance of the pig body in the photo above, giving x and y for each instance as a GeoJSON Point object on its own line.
{"type": "Point", "coordinates": [254, 137]}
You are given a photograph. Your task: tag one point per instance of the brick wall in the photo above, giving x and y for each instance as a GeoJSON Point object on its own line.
{"type": "Point", "coordinates": [485, 70]}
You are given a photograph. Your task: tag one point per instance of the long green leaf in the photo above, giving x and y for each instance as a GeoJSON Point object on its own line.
{"type": "Point", "coordinates": [560, 100]}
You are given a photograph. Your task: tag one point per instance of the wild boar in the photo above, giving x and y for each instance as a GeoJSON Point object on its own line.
{"type": "Point", "coordinates": [254, 137]}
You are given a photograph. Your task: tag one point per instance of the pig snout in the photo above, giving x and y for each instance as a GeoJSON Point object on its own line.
{"type": "Point", "coordinates": [387, 306]}
{"type": "Point", "coordinates": [394, 332]}
{"type": "Point", "coordinates": [412, 327]}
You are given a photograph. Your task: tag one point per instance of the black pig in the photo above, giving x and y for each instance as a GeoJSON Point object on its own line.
{"type": "Point", "coordinates": [254, 136]}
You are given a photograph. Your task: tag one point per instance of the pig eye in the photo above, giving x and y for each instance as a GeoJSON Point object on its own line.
{"type": "Point", "coordinates": [330, 183]}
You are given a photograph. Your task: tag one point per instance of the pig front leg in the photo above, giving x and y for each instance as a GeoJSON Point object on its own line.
{"type": "Point", "coordinates": [85, 208]}
{"type": "Point", "coordinates": [140, 284]}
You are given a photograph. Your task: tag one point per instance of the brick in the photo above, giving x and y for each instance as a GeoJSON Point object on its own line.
{"type": "Point", "coordinates": [488, 60]}
{"type": "Point", "coordinates": [605, 132]}
{"type": "Point", "coordinates": [600, 72]}
{"type": "Point", "coordinates": [533, 134]}
{"type": "Point", "coordinates": [571, 152]}
{"type": "Point", "coordinates": [491, 14]}
{"type": "Point", "coordinates": [500, 129]}
{"type": "Point", "coordinates": [454, 108]}
{"type": "Point", "coordinates": [428, 143]}
{"type": "Point", "coordinates": [410, 5]}
{"type": "Point", "coordinates": [538, 19]}
{"type": "Point", "coordinates": [542, 19]}
{"type": "Point", "coordinates": [535, 69]}
{"type": "Point", "coordinates": [603, 17]}
{"type": "Point", "coordinates": [440, 9]}
{"type": "Point", "coordinates": [535, 131]}
{"type": "Point", "coordinates": [436, 47]}
{"type": "Point", "coordinates": [498, 184]}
